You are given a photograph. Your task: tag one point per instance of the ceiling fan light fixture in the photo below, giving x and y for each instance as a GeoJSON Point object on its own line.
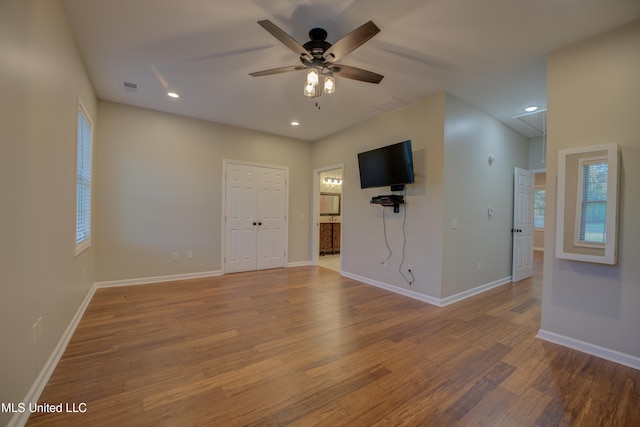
{"type": "Point", "coordinates": [329, 84]}
{"type": "Point", "coordinates": [313, 76]}
{"type": "Point", "coordinates": [318, 57]}
{"type": "Point", "coordinates": [311, 90]}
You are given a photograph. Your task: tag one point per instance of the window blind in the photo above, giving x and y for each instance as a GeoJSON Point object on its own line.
{"type": "Point", "coordinates": [83, 182]}
{"type": "Point", "coordinates": [539, 204]}
{"type": "Point", "coordinates": [593, 209]}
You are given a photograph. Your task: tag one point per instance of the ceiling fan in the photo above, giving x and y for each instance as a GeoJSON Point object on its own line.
{"type": "Point", "coordinates": [319, 57]}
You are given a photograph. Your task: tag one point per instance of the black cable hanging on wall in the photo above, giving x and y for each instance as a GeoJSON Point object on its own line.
{"type": "Point", "coordinates": [404, 242]}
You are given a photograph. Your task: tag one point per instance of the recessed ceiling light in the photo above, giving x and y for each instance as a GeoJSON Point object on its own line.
{"type": "Point", "coordinates": [531, 109]}
{"type": "Point", "coordinates": [294, 123]}
{"type": "Point", "coordinates": [173, 95]}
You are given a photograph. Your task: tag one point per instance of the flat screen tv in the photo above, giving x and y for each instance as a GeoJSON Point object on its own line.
{"type": "Point", "coordinates": [386, 166]}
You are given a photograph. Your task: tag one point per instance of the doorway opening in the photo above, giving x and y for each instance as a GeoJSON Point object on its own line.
{"type": "Point", "coordinates": [328, 208]}
{"type": "Point", "coordinates": [529, 210]}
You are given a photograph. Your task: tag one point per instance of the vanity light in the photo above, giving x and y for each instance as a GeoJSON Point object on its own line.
{"type": "Point", "coordinates": [332, 181]}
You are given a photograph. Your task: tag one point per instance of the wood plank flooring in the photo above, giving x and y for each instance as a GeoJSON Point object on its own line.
{"type": "Point", "coordinates": [305, 346]}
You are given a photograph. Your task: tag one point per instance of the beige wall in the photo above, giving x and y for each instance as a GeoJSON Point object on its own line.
{"type": "Point", "coordinates": [478, 251]}
{"type": "Point", "coordinates": [451, 142]}
{"type": "Point", "coordinates": [159, 189]}
{"type": "Point", "coordinates": [41, 77]}
{"type": "Point", "coordinates": [593, 90]}
{"type": "Point", "coordinates": [363, 245]}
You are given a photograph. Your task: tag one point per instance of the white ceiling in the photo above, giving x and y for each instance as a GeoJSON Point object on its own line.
{"type": "Point", "coordinates": [490, 53]}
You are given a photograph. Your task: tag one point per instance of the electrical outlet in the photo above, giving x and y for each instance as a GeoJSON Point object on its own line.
{"type": "Point", "coordinates": [189, 254]}
{"type": "Point", "coordinates": [174, 256]}
{"type": "Point", "coordinates": [410, 266]}
{"type": "Point", "coordinates": [479, 266]}
{"type": "Point", "coordinates": [384, 264]}
{"type": "Point", "coordinates": [40, 327]}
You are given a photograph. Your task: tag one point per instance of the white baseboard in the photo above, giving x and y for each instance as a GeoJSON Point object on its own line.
{"type": "Point", "coordinates": [158, 279]}
{"type": "Point", "coordinates": [426, 298]}
{"type": "Point", "coordinates": [299, 264]}
{"type": "Point", "coordinates": [592, 349]}
{"type": "Point", "coordinates": [176, 277]}
{"type": "Point", "coordinates": [475, 291]}
{"type": "Point", "coordinates": [20, 419]}
{"type": "Point", "coordinates": [395, 289]}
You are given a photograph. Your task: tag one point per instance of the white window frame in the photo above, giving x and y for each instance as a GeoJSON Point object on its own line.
{"type": "Point", "coordinates": [84, 168]}
{"type": "Point", "coordinates": [566, 209]}
{"type": "Point", "coordinates": [584, 161]}
{"type": "Point", "coordinates": [540, 187]}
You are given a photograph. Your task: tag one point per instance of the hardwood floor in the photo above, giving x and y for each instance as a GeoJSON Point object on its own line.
{"type": "Point", "coordinates": [305, 346]}
{"type": "Point", "coordinates": [332, 262]}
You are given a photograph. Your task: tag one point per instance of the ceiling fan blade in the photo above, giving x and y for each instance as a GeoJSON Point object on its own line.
{"type": "Point", "coordinates": [277, 70]}
{"type": "Point", "coordinates": [351, 42]}
{"type": "Point", "coordinates": [285, 39]}
{"type": "Point", "coordinates": [354, 73]}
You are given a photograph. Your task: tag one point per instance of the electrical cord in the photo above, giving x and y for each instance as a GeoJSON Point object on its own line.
{"type": "Point", "coordinates": [386, 242]}
{"type": "Point", "coordinates": [404, 243]}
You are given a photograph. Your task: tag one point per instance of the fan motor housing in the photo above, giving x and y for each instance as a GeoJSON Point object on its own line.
{"type": "Point", "coordinates": [317, 45]}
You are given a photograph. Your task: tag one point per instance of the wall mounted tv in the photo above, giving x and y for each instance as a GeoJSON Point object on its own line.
{"type": "Point", "coordinates": [386, 166]}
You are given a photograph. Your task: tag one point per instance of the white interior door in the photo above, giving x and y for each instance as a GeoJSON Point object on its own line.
{"type": "Point", "coordinates": [524, 182]}
{"type": "Point", "coordinates": [255, 217]}
{"type": "Point", "coordinates": [271, 218]}
{"type": "Point", "coordinates": [241, 213]}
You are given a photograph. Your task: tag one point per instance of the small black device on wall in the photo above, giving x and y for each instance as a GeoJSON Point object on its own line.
{"type": "Point", "coordinates": [394, 200]}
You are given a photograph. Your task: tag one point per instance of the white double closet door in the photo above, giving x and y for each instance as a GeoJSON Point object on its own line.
{"type": "Point", "coordinates": [255, 221]}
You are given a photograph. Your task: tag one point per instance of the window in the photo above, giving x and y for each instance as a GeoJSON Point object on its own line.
{"type": "Point", "coordinates": [539, 201]}
{"type": "Point", "coordinates": [592, 201]}
{"type": "Point", "coordinates": [83, 181]}
{"type": "Point", "coordinates": [587, 203]}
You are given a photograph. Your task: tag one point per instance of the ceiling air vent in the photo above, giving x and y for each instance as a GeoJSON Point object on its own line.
{"type": "Point", "coordinates": [389, 104]}
{"type": "Point", "coordinates": [130, 87]}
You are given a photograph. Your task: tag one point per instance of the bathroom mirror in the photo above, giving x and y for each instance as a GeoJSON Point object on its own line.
{"type": "Point", "coordinates": [329, 203]}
